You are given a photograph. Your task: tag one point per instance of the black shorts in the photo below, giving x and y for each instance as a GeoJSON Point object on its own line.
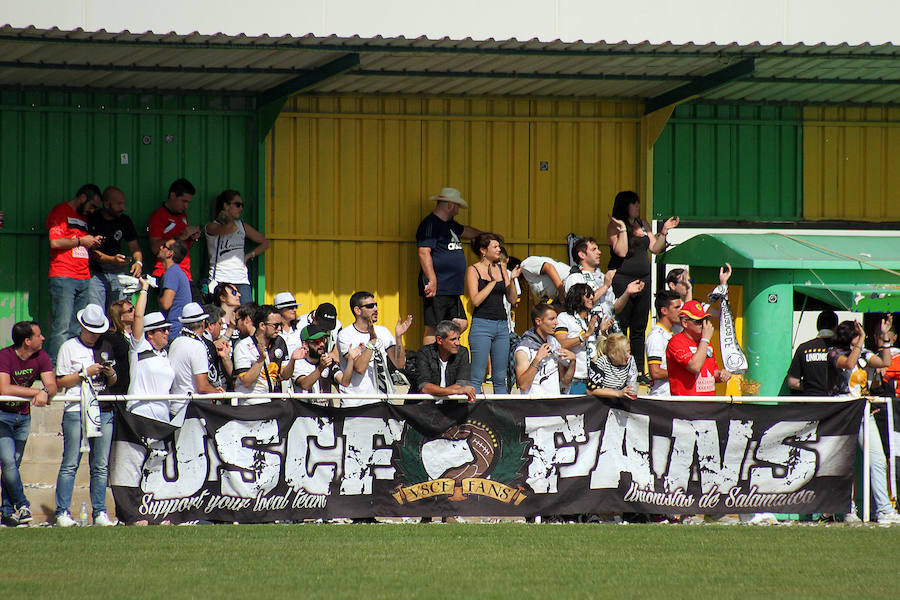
{"type": "Point", "coordinates": [442, 308]}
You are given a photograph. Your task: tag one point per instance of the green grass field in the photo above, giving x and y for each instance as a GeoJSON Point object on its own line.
{"type": "Point", "coordinates": [454, 560]}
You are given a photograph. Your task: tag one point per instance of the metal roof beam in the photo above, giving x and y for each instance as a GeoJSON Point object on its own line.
{"type": "Point", "coordinates": [700, 85]}
{"type": "Point", "coordinates": [312, 77]}
{"type": "Point", "coordinates": [65, 66]}
{"type": "Point", "coordinates": [269, 44]}
{"type": "Point", "coordinates": [520, 75]}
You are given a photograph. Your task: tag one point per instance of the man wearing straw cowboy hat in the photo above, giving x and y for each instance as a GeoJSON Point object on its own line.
{"type": "Point", "coordinates": [443, 262]}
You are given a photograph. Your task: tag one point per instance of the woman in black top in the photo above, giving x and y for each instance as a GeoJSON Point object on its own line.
{"type": "Point", "coordinates": [630, 241]}
{"type": "Point", "coordinates": [486, 284]}
{"type": "Point", "coordinates": [121, 316]}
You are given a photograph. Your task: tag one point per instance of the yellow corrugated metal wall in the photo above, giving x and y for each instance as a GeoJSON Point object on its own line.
{"type": "Point", "coordinates": [849, 163]}
{"type": "Point", "coordinates": [349, 177]}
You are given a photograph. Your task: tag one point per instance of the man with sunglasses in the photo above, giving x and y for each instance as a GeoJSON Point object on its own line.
{"type": "Point", "coordinates": [377, 344]}
{"type": "Point", "coordinates": [690, 358]}
{"type": "Point", "coordinates": [174, 288]}
{"type": "Point", "coordinates": [260, 360]}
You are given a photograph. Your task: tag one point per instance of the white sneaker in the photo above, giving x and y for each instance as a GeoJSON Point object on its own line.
{"type": "Point", "coordinates": [103, 520]}
{"type": "Point", "coordinates": [852, 518]}
{"type": "Point", "coordinates": [890, 517]}
{"type": "Point", "coordinates": [65, 520]}
{"type": "Point", "coordinates": [762, 519]}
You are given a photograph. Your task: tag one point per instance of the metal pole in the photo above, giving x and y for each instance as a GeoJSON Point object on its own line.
{"type": "Point", "coordinates": [867, 476]}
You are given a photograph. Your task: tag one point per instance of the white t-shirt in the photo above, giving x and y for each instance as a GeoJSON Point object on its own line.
{"type": "Point", "coordinates": [575, 326]}
{"type": "Point", "coordinates": [541, 285]}
{"type": "Point", "coordinates": [151, 374]}
{"type": "Point", "coordinates": [74, 356]}
{"type": "Point", "coordinates": [292, 337]}
{"type": "Point", "coordinates": [187, 356]}
{"type": "Point", "coordinates": [245, 354]}
{"type": "Point", "coordinates": [657, 340]}
{"type": "Point", "coordinates": [302, 368]}
{"type": "Point", "coordinates": [546, 381]}
{"type": "Point", "coordinates": [226, 256]}
{"type": "Point", "coordinates": [363, 383]}
{"type": "Point", "coordinates": [595, 280]}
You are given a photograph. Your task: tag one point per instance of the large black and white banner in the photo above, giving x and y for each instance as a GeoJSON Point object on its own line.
{"type": "Point", "coordinates": [288, 460]}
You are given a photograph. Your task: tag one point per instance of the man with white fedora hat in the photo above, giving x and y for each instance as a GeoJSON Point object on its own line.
{"type": "Point", "coordinates": [287, 308]}
{"type": "Point", "coordinates": [85, 359]}
{"type": "Point", "coordinates": [443, 262]}
{"type": "Point", "coordinates": [189, 357]}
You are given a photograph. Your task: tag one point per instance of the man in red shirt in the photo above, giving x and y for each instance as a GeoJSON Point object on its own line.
{"type": "Point", "coordinates": [690, 359]}
{"type": "Point", "coordinates": [70, 275]}
{"type": "Point", "coordinates": [170, 221]}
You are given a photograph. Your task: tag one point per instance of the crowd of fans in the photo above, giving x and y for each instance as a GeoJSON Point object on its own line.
{"type": "Point", "coordinates": [586, 336]}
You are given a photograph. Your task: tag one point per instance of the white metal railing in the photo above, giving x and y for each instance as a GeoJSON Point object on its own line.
{"type": "Point", "coordinates": [399, 398]}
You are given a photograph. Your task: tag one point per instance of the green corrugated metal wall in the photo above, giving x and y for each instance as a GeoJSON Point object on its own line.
{"type": "Point", "coordinates": [51, 142]}
{"type": "Point", "coordinates": [724, 161]}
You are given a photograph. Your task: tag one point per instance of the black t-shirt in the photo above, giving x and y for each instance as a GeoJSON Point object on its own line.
{"type": "Point", "coordinates": [447, 254]}
{"type": "Point", "coordinates": [117, 345]}
{"type": "Point", "coordinates": [114, 232]}
{"type": "Point", "coordinates": [810, 365]}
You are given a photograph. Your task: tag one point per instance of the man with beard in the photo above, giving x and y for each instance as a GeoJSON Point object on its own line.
{"type": "Point", "coordinates": [260, 359]}
{"type": "Point", "coordinates": [70, 275]}
{"type": "Point", "coordinates": [315, 373]}
{"type": "Point", "coordinates": [112, 225]}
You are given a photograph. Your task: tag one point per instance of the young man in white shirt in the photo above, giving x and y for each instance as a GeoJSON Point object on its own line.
{"type": "Point", "coordinates": [259, 362]}
{"type": "Point", "coordinates": [316, 372]}
{"type": "Point", "coordinates": [586, 254]}
{"type": "Point", "coordinates": [543, 367]}
{"type": "Point", "coordinates": [190, 358]}
{"type": "Point", "coordinates": [668, 309]}
{"type": "Point", "coordinates": [370, 368]}
{"type": "Point", "coordinates": [79, 360]}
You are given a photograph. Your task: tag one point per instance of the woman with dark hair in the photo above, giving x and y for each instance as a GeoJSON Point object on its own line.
{"type": "Point", "coordinates": [225, 237]}
{"type": "Point", "coordinates": [121, 316]}
{"type": "Point", "coordinates": [227, 297]}
{"type": "Point", "coordinates": [847, 354]}
{"type": "Point", "coordinates": [487, 283]}
{"type": "Point", "coordinates": [576, 330]}
{"type": "Point", "coordinates": [630, 241]}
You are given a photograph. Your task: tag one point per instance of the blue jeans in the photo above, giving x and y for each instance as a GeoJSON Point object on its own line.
{"type": "Point", "coordinates": [13, 434]}
{"type": "Point", "coordinates": [98, 461]}
{"type": "Point", "coordinates": [105, 289]}
{"type": "Point", "coordinates": [578, 388]}
{"type": "Point", "coordinates": [67, 297]}
{"type": "Point", "coordinates": [877, 468]}
{"type": "Point", "coordinates": [489, 337]}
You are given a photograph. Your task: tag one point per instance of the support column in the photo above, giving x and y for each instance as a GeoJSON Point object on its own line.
{"type": "Point", "coordinates": [768, 314]}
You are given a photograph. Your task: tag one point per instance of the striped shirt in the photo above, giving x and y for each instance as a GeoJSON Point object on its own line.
{"type": "Point", "coordinates": [603, 374]}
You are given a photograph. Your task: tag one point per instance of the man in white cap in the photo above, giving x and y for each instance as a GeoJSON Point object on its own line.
{"type": "Point", "coordinates": [190, 358]}
{"type": "Point", "coordinates": [443, 262]}
{"type": "Point", "coordinates": [83, 359]}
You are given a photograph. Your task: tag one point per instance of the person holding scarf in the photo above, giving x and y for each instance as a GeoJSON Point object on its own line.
{"type": "Point", "coordinates": [82, 362]}
{"type": "Point", "coordinates": [151, 373]}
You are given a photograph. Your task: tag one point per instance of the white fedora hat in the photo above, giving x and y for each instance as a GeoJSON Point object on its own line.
{"type": "Point", "coordinates": [92, 318]}
{"type": "Point", "coordinates": [192, 312]}
{"type": "Point", "coordinates": [155, 320]}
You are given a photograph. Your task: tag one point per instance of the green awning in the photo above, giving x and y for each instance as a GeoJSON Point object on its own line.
{"type": "Point", "coordinates": [856, 298]}
{"type": "Point", "coordinates": [778, 251]}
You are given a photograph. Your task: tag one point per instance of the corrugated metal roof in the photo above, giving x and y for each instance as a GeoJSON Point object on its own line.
{"type": "Point", "coordinates": [242, 64]}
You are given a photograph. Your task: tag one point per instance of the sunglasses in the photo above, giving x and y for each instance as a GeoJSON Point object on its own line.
{"type": "Point", "coordinates": [233, 292]}
{"type": "Point", "coordinates": [370, 305]}
{"type": "Point", "coordinates": [128, 310]}
{"type": "Point", "coordinates": [158, 329]}
{"type": "Point", "coordinates": [238, 204]}
{"type": "Point", "coordinates": [275, 325]}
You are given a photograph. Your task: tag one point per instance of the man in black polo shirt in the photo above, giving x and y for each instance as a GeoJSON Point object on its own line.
{"type": "Point", "coordinates": [443, 262]}
{"type": "Point", "coordinates": [808, 373]}
{"type": "Point", "coordinates": [107, 260]}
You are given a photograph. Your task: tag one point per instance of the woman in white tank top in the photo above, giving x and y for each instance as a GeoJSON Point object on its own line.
{"type": "Point", "coordinates": [225, 237]}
